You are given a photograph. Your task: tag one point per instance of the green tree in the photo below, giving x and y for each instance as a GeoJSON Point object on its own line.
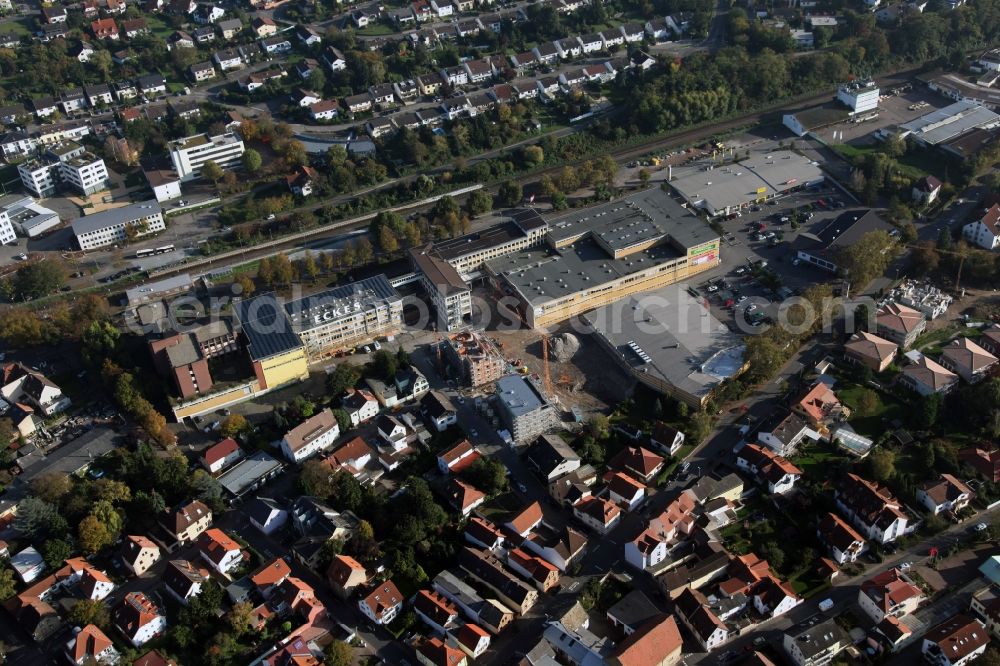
{"type": "Point", "coordinates": [337, 653]}
{"type": "Point", "coordinates": [510, 193]}
{"type": "Point", "coordinates": [488, 475]}
{"type": "Point", "coordinates": [252, 161]}
{"type": "Point", "coordinates": [212, 171]}
{"type": "Point", "coordinates": [99, 341]}
{"type": "Point", "coordinates": [343, 419]}
{"type": "Point", "coordinates": [868, 402]}
{"type": "Point", "coordinates": [233, 425]}
{"type": "Point", "coordinates": [56, 552]}
{"type": "Point", "coordinates": [8, 583]}
{"type": "Point", "coordinates": [309, 266]}
{"type": "Point", "coordinates": [480, 202]}
{"type": "Point", "coordinates": [240, 618]}
{"type": "Point", "coordinates": [387, 240]}
{"type": "Point", "coordinates": [364, 251]}
{"type": "Point", "coordinates": [38, 279]}
{"type": "Point", "coordinates": [314, 479]}
{"type": "Point", "coordinates": [882, 464]}
{"type": "Point", "coordinates": [37, 520]}
{"type": "Point", "coordinates": [246, 285]}
{"type": "Point", "coordinates": [533, 156]}
{"type": "Point", "coordinates": [384, 364]}
{"type": "Point", "coordinates": [868, 258]}
{"type": "Point", "coordinates": [89, 611]}
{"type": "Point", "coordinates": [93, 535]}
{"type": "Point", "coordinates": [51, 487]}
{"type": "Point", "coordinates": [342, 378]}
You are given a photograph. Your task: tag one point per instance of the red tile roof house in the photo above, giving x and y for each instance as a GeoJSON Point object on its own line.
{"type": "Point", "coordinates": [640, 463]}
{"type": "Point", "coordinates": [221, 455]}
{"type": "Point", "coordinates": [955, 642]}
{"type": "Point", "coordinates": [527, 520]}
{"type": "Point", "coordinates": [138, 618]}
{"type": "Point", "coordinates": [774, 471]}
{"type": "Point", "coordinates": [986, 462]}
{"type": "Point", "coordinates": [483, 533]}
{"type": "Point", "coordinates": [471, 639]}
{"type": "Point", "coordinates": [344, 575]}
{"type": "Point", "coordinates": [91, 645]}
{"type": "Point", "coordinates": [270, 576]}
{"type": "Point", "coordinates": [434, 652]}
{"type": "Point", "coordinates": [219, 550]}
{"type": "Point", "coordinates": [536, 570]}
{"type": "Point", "coordinates": [844, 542]}
{"type": "Point", "coordinates": [464, 497]}
{"type": "Point", "coordinates": [139, 553]}
{"type": "Point", "coordinates": [435, 610]}
{"type": "Point", "coordinates": [658, 642]}
{"type": "Point", "coordinates": [294, 596]}
{"type": "Point", "coordinates": [889, 593]}
{"type": "Point", "coordinates": [457, 457]}
{"type": "Point", "coordinates": [382, 603]}
{"type": "Point", "coordinates": [944, 494]}
{"type": "Point", "coordinates": [104, 28]}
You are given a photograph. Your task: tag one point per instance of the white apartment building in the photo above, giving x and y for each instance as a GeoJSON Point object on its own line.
{"type": "Point", "coordinates": [190, 154]}
{"type": "Point", "coordinates": [111, 226]}
{"type": "Point", "coordinates": [65, 164]}
{"type": "Point", "coordinates": [859, 96]}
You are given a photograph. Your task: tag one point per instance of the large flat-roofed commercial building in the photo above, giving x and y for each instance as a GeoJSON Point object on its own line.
{"type": "Point", "coordinates": [190, 154]}
{"type": "Point", "coordinates": [956, 87]}
{"type": "Point", "coordinates": [276, 352]}
{"type": "Point", "coordinates": [450, 296]}
{"type": "Point", "coordinates": [524, 409]}
{"type": "Point", "coordinates": [602, 254]}
{"type": "Point", "coordinates": [346, 315]}
{"type": "Point", "coordinates": [728, 188]}
{"type": "Point", "coordinates": [115, 225]}
{"type": "Point", "coordinates": [669, 342]}
{"type": "Point", "coordinates": [949, 123]}
{"type": "Point", "coordinates": [468, 253]}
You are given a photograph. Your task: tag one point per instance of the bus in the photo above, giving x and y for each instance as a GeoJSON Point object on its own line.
{"type": "Point", "coordinates": [149, 253]}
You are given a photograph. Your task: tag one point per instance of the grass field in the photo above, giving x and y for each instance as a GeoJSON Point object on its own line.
{"type": "Point", "coordinates": [914, 164]}
{"type": "Point", "coordinates": [871, 424]}
{"type": "Point", "coordinates": [20, 28]}
{"type": "Point", "coordinates": [815, 458]}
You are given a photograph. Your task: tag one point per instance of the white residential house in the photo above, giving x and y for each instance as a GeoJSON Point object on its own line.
{"type": "Point", "coordinates": [382, 604]}
{"type": "Point", "coordinates": [360, 405]}
{"type": "Point", "coordinates": [984, 232]}
{"type": "Point", "coordinates": [944, 494]}
{"type": "Point", "coordinates": [138, 618]}
{"type": "Point", "coordinates": [219, 550]}
{"type": "Point", "coordinates": [591, 43]}
{"type": "Point", "coordinates": [872, 509]}
{"type": "Point", "coordinates": [442, 8]}
{"type": "Point", "coordinates": [314, 435]}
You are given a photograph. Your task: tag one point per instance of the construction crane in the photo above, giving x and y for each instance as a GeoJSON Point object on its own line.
{"type": "Point", "coordinates": [545, 364]}
{"type": "Point", "coordinates": [961, 260]}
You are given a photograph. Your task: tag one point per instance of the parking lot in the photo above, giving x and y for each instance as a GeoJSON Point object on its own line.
{"type": "Point", "coordinates": [745, 288]}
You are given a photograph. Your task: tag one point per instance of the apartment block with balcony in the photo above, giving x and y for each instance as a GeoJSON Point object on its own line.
{"type": "Point", "coordinates": [190, 154]}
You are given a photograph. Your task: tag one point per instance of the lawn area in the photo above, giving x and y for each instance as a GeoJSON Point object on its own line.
{"type": "Point", "coordinates": [375, 30]}
{"type": "Point", "coordinates": [815, 458]}
{"type": "Point", "coordinates": [934, 340]}
{"type": "Point", "coordinates": [21, 28]}
{"type": "Point", "coordinates": [914, 164]}
{"type": "Point", "coordinates": [158, 26]}
{"type": "Point", "coordinates": [808, 583]}
{"type": "Point", "coordinates": [872, 424]}
{"type": "Point", "coordinates": [501, 506]}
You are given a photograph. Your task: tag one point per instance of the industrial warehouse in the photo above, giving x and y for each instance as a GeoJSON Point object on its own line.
{"type": "Point", "coordinates": [599, 255]}
{"type": "Point", "coordinates": [727, 189]}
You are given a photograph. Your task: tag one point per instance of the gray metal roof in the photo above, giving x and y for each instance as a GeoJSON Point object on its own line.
{"type": "Point", "coordinates": [951, 122]}
{"type": "Point", "coordinates": [541, 274]}
{"type": "Point", "coordinates": [247, 472]}
{"type": "Point", "coordinates": [115, 216]}
{"type": "Point", "coordinates": [738, 184]}
{"type": "Point", "coordinates": [671, 336]}
{"type": "Point", "coordinates": [518, 395]}
{"type": "Point", "coordinates": [266, 326]}
{"type": "Point", "coordinates": [151, 290]}
{"type": "Point", "coordinates": [183, 353]}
